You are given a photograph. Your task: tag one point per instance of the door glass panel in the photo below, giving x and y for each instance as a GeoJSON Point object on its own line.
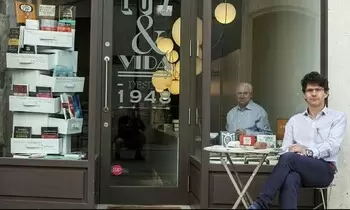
{"type": "Point", "coordinates": [145, 93]}
{"type": "Point", "coordinates": [198, 30]}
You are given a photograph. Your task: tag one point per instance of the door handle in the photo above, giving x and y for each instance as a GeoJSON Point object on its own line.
{"type": "Point", "coordinates": [105, 108]}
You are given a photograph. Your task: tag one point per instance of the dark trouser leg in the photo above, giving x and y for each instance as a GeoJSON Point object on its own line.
{"type": "Point", "coordinates": [312, 172]}
{"type": "Point", "coordinates": [289, 191]}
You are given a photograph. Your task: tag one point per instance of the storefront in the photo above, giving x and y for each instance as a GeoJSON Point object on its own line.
{"type": "Point", "coordinates": [145, 115]}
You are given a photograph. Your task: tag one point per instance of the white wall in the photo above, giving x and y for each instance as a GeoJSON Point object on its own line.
{"type": "Point", "coordinates": [339, 77]}
{"type": "Point", "coordinates": [280, 44]}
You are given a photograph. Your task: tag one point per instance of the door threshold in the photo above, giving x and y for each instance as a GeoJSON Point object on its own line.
{"type": "Point", "coordinates": [114, 206]}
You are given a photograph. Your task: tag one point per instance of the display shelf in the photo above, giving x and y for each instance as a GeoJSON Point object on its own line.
{"type": "Point", "coordinates": [30, 61]}
{"type": "Point", "coordinates": [48, 38]}
{"type": "Point", "coordinates": [34, 104]}
{"type": "Point", "coordinates": [36, 145]}
{"type": "Point", "coordinates": [57, 84]}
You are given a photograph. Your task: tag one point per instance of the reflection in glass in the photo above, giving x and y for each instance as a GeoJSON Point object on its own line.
{"type": "Point", "coordinates": [146, 88]}
{"type": "Point", "coordinates": [266, 44]}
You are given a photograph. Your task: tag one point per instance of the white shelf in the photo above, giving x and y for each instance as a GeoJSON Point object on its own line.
{"type": "Point", "coordinates": [30, 61]}
{"type": "Point", "coordinates": [34, 104]}
{"type": "Point", "coordinates": [38, 120]}
{"type": "Point", "coordinates": [36, 145]}
{"type": "Point", "coordinates": [71, 126]}
{"type": "Point", "coordinates": [48, 38]}
{"type": "Point", "coordinates": [57, 84]}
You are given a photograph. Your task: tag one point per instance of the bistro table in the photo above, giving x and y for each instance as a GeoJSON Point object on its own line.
{"type": "Point", "coordinates": [243, 195]}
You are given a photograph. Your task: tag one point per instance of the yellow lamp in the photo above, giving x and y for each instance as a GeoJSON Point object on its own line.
{"type": "Point", "coordinates": [165, 95]}
{"type": "Point", "coordinates": [165, 45]}
{"type": "Point", "coordinates": [225, 13]}
{"type": "Point", "coordinates": [198, 66]}
{"type": "Point", "coordinates": [159, 38]}
{"type": "Point", "coordinates": [161, 79]}
{"type": "Point", "coordinates": [175, 87]}
{"type": "Point", "coordinates": [176, 31]}
{"type": "Point", "coordinates": [172, 56]}
{"type": "Point", "coordinates": [159, 90]}
{"type": "Point", "coordinates": [199, 52]}
{"type": "Point", "coordinates": [176, 75]}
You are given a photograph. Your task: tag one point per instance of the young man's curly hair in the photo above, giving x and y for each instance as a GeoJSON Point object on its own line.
{"type": "Point", "coordinates": [314, 78]}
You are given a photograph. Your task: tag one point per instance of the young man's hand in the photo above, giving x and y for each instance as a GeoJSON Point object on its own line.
{"type": "Point", "coordinates": [297, 148]}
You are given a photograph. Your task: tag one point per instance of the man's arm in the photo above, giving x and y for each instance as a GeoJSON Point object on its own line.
{"type": "Point", "coordinates": [263, 125]}
{"type": "Point", "coordinates": [331, 145]}
{"type": "Point", "coordinates": [288, 137]}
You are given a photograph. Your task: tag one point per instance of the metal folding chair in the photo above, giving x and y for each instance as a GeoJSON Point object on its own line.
{"type": "Point", "coordinates": [324, 203]}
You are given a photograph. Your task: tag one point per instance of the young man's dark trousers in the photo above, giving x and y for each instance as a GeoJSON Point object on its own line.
{"type": "Point", "coordinates": [292, 172]}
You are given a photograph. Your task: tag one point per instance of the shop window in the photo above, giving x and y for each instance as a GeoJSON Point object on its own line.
{"type": "Point", "coordinates": [45, 87]}
{"type": "Point", "coordinates": [268, 47]}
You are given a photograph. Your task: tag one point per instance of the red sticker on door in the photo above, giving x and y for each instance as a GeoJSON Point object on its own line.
{"type": "Point", "coordinates": [117, 170]}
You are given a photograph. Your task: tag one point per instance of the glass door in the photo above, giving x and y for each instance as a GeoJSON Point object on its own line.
{"type": "Point", "coordinates": [145, 116]}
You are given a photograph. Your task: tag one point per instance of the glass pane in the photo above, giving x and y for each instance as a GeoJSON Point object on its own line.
{"type": "Point", "coordinates": [46, 82]}
{"type": "Point", "coordinates": [145, 99]}
{"type": "Point", "coordinates": [198, 30]}
{"type": "Point", "coordinates": [260, 52]}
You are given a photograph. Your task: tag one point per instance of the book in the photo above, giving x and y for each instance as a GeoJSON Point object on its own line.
{"type": "Point", "coordinates": [63, 71]}
{"type": "Point", "coordinates": [20, 89]}
{"type": "Point", "coordinates": [24, 11]}
{"type": "Point", "coordinates": [47, 11]}
{"type": "Point", "coordinates": [66, 14]}
{"type": "Point", "coordinates": [43, 92]}
{"type": "Point", "coordinates": [65, 106]}
{"type": "Point", "coordinates": [13, 40]}
{"type": "Point", "coordinates": [246, 140]}
{"type": "Point", "coordinates": [22, 132]}
{"type": "Point", "coordinates": [49, 132]}
{"type": "Point", "coordinates": [77, 107]}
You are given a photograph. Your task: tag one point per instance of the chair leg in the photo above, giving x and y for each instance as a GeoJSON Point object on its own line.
{"type": "Point", "coordinates": [323, 200]}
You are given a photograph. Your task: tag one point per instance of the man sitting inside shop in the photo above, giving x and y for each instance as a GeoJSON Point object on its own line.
{"type": "Point", "coordinates": [247, 118]}
{"type": "Point", "coordinates": [310, 148]}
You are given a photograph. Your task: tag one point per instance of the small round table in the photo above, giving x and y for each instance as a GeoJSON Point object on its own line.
{"type": "Point", "coordinates": [226, 151]}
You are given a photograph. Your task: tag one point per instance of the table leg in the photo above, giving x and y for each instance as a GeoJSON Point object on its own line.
{"type": "Point", "coordinates": [250, 201]}
{"type": "Point", "coordinates": [249, 181]}
{"type": "Point", "coordinates": [233, 181]}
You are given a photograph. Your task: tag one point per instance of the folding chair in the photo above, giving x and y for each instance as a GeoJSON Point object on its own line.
{"type": "Point", "coordinates": [324, 203]}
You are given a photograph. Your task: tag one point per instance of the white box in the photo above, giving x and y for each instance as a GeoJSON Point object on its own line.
{"type": "Point", "coordinates": [48, 38]}
{"type": "Point", "coordinates": [36, 145]}
{"type": "Point", "coordinates": [62, 84]}
{"type": "Point", "coordinates": [34, 120]}
{"type": "Point", "coordinates": [57, 84]}
{"type": "Point", "coordinates": [30, 61]}
{"type": "Point", "coordinates": [71, 126]}
{"type": "Point", "coordinates": [269, 139]}
{"type": "Point", "coordinates": [34, 104]}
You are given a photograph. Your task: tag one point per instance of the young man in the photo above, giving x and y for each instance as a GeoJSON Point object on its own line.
{"type": "Point", "coordinates": [310, 148]}
{"type": "Point", "coordinates": [247, 117]}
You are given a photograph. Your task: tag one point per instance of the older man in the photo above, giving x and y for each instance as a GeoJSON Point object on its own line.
{"type": "Point", "coordinates": [311, 147]}
{"type": "Point", "coordinates": [247, 118]}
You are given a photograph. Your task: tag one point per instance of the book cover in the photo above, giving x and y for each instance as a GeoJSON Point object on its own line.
{"type": "Point", "coordinates": [13, 40]}
{"type": "Point", "coordinates": [77, 107]}
{"type": "Point", "coordinates": [22, 132]}
{"type": "Point", "coordinates": [47, 11]}
{"type": "Point", "coordinates": [245, 140]}
{"type": "Point", "coordinates": [43, 92]}
{"type": "Point", "coordinates": [49, 132]}
{"type": "Point", "coordinates": [65, 106]}
{"type": "Point", "coordinates": [71, 106]}
{"type": "Point", "coordinates": [24, 11]}
{"type": "Point", "coordinates": [20, 89]}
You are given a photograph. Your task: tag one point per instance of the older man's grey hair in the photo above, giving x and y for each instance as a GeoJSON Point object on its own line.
{"type": "Point", "coordinates": [245, 85]}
